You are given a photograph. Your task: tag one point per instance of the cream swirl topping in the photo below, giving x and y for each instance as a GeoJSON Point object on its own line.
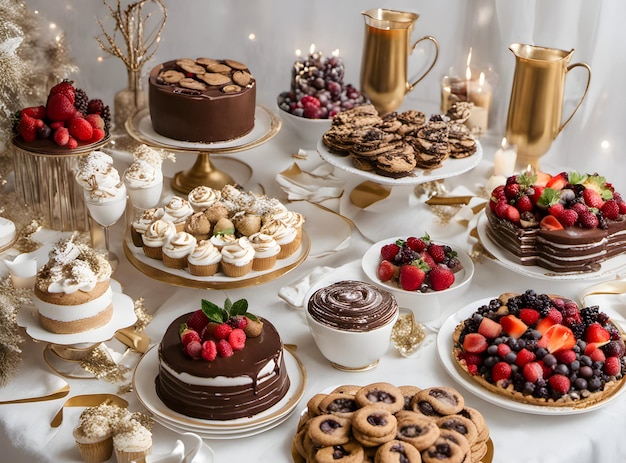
{"type": "Point", "coordinates": [180, 244]}
{"type": "Point", "coordinates": [178, 209]}
{"type": "Point", "coordinates": [158, 233]}
{"type": "Point", "coordinates": [142, 174]}
{"type": "Point", "coordinates": [202, 197]}
{"type": "Point", "coordinates": [134, 438]}
{"type": "Point", "coordinates": [238, 253]}
{"type": "Point", "coordinates": [143, 221]}
{"type": "Point", "coordinates": [264, 245]}
{"type": "Point", "coordinates": [204, 254]}
{"type": "Point", "coordinates": [96, 172]}
{"type": "Point", "coordinates": [222, 240]}
{"type": "Point", "coordinates": [294, 219]}
{"type": "Point", "coordinates": [280, 231]}
{"type": "Point", "coordinates": [352, 306]}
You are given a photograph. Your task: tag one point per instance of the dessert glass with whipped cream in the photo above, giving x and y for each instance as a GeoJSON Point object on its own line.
{"type": "Point", "coordinates": [351, 323]}
{"type": "Point", "coordinates": [144, 183]}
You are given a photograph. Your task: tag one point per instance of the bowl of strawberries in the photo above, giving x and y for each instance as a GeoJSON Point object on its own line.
{"type": "Point", "coordinates": [425, 275]}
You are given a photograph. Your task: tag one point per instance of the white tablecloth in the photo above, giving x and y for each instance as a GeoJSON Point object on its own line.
{"type": "Point", "coordinates": [517, 437]}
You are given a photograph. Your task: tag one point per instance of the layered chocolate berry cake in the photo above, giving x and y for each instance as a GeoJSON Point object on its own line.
{"type": "Point", "coordinates": [542, 349]}
{"type": "Point", "coordinates": [221, 363]}
{"type": "Point", "coordinates": [202, 100]}
{"type": "Point", "coordinates": [565, 223]}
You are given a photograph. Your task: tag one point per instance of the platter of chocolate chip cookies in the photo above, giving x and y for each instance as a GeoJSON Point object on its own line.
{"type": "Point", "coordinates": [399, 148]}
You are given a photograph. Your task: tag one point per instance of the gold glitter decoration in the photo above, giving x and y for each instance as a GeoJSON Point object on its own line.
{"type": "Point", "coordinates": [11, 299]}
{"type": "Point", "coordinates": [445, 213]}
{"type": "Point", "coordinates": [429, 189]}
{"type": "Point", "coordinates": [125, 389]}
{"type": "Point", "coordinates": [100, 364]}
{"type": "Point", "coordinates": [407, 335]}
{"type": "Point", "coordinates": [143, 317]}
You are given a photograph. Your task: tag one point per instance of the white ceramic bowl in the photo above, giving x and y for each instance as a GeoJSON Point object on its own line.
{"type": "Point", "coordinates": [425, 306]}
{"type": "Point", "coordinates": [349, 350]}
{"type": "Point", "coordinates": [309, 131]}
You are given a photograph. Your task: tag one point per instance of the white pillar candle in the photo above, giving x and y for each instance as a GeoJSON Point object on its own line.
{"type": "Point", "coordinates": [504, 160]}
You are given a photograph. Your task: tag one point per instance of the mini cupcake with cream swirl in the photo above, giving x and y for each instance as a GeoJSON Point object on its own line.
{"type": "Point", "coordinates": [204, 260]}
{"type": "Point", "coordinates": [202, 197]}
{"type": "Point", "coordinates": [177, 210]}
{"type": "Point", "coordinates": [237, 258]}
{"type": "Point", "coordinates": [285, 235]}
{"type": "Point", "coordinates": [156, 236]}
{"type": "Point", "coordinates": [266, 251]}
{"type": "Point", "coordinates": [176, 250]}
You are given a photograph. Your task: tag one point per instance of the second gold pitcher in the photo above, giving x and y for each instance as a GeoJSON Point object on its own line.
{"type": "Point", "coordinates": [536, 105]}
{"type": "Point", "coordinates": [386, 48]}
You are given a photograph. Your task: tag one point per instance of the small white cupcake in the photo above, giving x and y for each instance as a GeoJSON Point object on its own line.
{"type": "Point", "coordinates": [142, 222]}
{"type": "Point", "coordinates": [176, 250]}
{"type": "Point", "coordinates": [156, 236]}
{"type": "Point", "coordinates": [202, 197]}
{"type": "Point", "coordinates": [177, 210]}
{"type": "Point", "coordinates": [94, 432]}
{"type": "Point", "coordinates": [237, 258]}
{"type": "Point", "coordinates": [284, 235]}
{"type": "Point", "coordinates": [204, 260]}
{"type": "Point", "coordinates": [266, 251]}
{"type": "Point", "coordinates": [296, 220]}
{"type": "Point", "coordinates": [220, 240]}
{"type": "Point", "coordinates": [132, 443]}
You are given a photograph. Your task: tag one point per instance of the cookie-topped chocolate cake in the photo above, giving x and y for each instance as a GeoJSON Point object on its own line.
{"type": "Point", "coordinates": [221, 363]}
{"type": "Point", "coordinates": [202, 100]}
{"type": "Point", "coordinates": [568, 222]}
{"type": "Point", "coordinates": [542, 349]}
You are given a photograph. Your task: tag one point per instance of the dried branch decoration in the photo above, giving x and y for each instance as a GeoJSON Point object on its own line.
{"type": "Point", "coordinates": [132, 23]}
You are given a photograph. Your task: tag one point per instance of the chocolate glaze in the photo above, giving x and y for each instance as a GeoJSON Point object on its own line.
{"type": "Point", "coordinates": [572, 249]}
{"type": "Point", "coordinates": [195, 116]}
{"type": "Point", "coordinates": [352, 306]}
{"type": "Point", "coordinates": [222, 403]}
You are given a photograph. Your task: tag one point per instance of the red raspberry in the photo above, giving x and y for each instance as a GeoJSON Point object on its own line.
{"type": "Point", "coordinates": [197, 321]}
{"type": "Point", "coordinates": [311, 112]}
{"type": "Point", "coordinates": [187, 336]}
{"type": "Point", "coordinates": [95, 106]}
{"type": "Point", "coordinates": [588, 220]}
{"type": "Point", "coordinates": [555, 316]}
{"type": "Point", "coordinates": [503, 350]}
{"type": "Point", "coordinates": [80, 129]}
{"type": "Point", "coordinates": [524, 356]}
{"type": "Point", "coordinates": [559, 383]}
{"type": "Point", "coordinates": [529, 316]}
{"type": "Point", "coordinates": [224, 349]}
{"type": "Point", "coordinates": [472, 369]}
{"type": "Point", "coordinates": [61, 136]}
{"type": "Point", "coordinates": [568, 218]}
{"type": "Point", "coordinates": [612, 366]}
{"type": "Point", "coordinates": [309, 100]}
{"type": "Point", "coordinates": [500, 371]}
{"type": "Point", "coordinates": [472, 359]}
{"type": "Point", "coordinates": [440, 278]}
{"type": "Point", "coordinates": [237, 339]}
{"type": "Point", "coordinates": [194, 349]}
{"type": "Point", "coordinates": [209, 350]}
{"type": "Point", "coordinates": [610, 209]}
{"type": "Point", "coordinates": [437, 252]}
{"type": "Point", "coordinates": [239, 321]}
{"type": "Point", "coordinates": [532, 371]}
{"type": "Point", "coordinates": [597, 355]}
{"type": "Point", "coordinates": [565, 356]}
{"type": "Point", "coordinates": [417, 244]}
{"type": "Point", "coordinates": [386, 270]}
{"type": "Point", "coordinates": [579, 208]}
{"type": "Point", "coordinates": [222, 331]}
{"type": "Point", "coordinates": [389, 251]}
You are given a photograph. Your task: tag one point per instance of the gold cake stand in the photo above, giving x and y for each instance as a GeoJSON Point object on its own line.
{"type": "Point", "coordinates": [204, 172]}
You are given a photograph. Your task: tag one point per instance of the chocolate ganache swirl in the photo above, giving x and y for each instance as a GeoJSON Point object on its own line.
{"type": "Point", "coordinates": [352, 306]}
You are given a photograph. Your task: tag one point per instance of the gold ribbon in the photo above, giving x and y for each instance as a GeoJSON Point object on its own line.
{"type": "Point", "coordinates": [87, 400]}
{"type": "Point", "coordinates": [133, 339]}
{"type": "Point", "coordinates": [58, 394]}
{"type": "Point", "coordinates": [608, 287]}
{"type": "Point", "coordinates": [367, 193]}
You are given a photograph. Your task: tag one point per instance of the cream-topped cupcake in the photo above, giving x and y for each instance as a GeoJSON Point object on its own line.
{"type": "Point", "coordinates": [176, 250]}
{"type": "Point", "coordinates": [94, 432]}
{"type": "Point", "coordinates": [296, 220]}
{"type": "Point", "coordinates": [202, 197]}
{"type": "Point", "coordinates": [156, 236]}
{"type": "Point", "coordinates": [266, 251]}
{"type": "Point", "coordinates": [237, 258]}
{"type": "Point", "coordinates": [285, 236]}
{"type": "Point", "coordinates": [204, 260]}
{"type": "Point", "coordinates": [142, 222]}
{"type": "Point", "coordinates": [133, 442]}
{"type": "Point", "coordinates": [198, 225]}
{"type": "Point", "coordinates": [220, 240]}
{"type": "Point", "coordinates": [177, 210]}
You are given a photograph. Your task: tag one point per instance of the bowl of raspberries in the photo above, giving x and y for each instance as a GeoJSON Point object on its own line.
{"type": "Point", "coordinates": [426, 276]}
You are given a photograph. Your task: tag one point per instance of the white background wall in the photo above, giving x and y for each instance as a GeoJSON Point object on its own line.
{"type": "Point", "coordinates": [221, 29]}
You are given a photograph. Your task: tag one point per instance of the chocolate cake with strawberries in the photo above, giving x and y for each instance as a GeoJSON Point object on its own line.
{"type": "Point", "coordinates": [202, 100]}
{"type": "Point", "coordinates": [221, 363]}
{"type": "Point", "coordinates": [542, 349]}
{"type": "Point", "coordinates": [566, 223]}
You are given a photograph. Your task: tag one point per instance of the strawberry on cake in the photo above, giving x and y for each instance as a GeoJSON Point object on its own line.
{"type": "Point", "coordinates": [542, 349]}
{"type": "Point", "coordinates": [569, 222]}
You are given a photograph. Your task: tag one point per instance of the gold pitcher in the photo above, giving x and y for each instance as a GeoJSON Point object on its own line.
{"type": "Point", "coordinates": [386, 49]}
{"type": "Point", "coordinates": [536, 105]}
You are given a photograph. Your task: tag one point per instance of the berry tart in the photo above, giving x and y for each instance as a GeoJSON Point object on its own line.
{"type": "Point", "coordinates": [68, 120]}
{"type": "Point", "coordinates": [568, 222]}
{"type": "Point", "coordinates": [216, 353]}
{"type": "Point", "coordinates": [542, 349]}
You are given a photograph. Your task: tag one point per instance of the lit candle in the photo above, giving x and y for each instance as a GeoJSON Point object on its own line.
{"type": "Point", "coordinates": [504, 160]}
